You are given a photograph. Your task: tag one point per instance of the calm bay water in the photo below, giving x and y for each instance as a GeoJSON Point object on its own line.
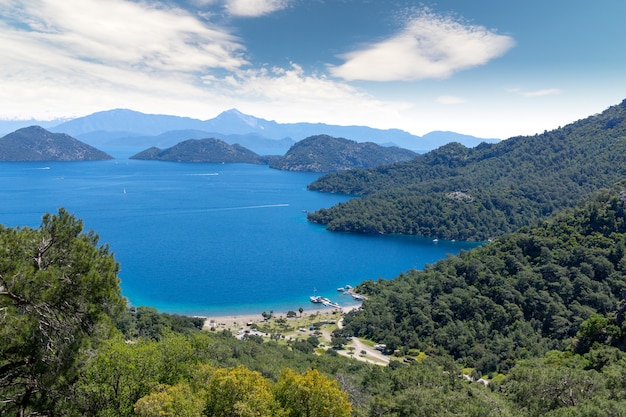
{"type": "Point", "coordinates": [208, 239]}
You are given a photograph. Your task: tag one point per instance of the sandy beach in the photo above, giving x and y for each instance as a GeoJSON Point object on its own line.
{"type": "Point", "coordinates": [233, 322]}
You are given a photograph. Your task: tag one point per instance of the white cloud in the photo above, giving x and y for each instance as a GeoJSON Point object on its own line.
{"type": "Point", "coordinates": [535, 93]}
{"type": "Point", "coordinates": [122, 34]}
{"type": "Point", "coordinates": [76, 57]}
{"type": "Point", "coordinates": [255, 8]}
{"type": "Point", "coordinates": [450, 100]}
{"type": "Point", "coordinates": [67, 56]}
{"type": "Point", "coordinates": [541, 93]}
{"type": "Point", "coordinates": [297, 96]}
{"type": "Point", "coordinates": [430, 46]}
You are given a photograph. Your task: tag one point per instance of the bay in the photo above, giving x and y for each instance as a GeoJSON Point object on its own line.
{"type": "Point", "coordinates": [206, 239]}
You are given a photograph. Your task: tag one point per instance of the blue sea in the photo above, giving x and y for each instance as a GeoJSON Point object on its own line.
{"type": "Point", "coordinates": [207, 239]}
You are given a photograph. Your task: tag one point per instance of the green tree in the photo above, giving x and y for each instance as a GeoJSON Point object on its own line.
{"type": "Point", "coordinates": [58, 289]}
{"type": "Point", "coordinates": [119, 375]}
{"type": "Point", "coordinates": [311, 394]}
{"type": "Point", "coordinates": [170, 401]}
{"type": "Point", "coordinates": [237, 392]}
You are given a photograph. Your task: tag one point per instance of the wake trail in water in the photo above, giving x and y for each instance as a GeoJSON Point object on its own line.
{"type": "Point", "coordinates": [130, 213]}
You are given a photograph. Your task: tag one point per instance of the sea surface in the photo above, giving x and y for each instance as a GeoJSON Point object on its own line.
{"type": "Point", "coordinates": [208, 239]}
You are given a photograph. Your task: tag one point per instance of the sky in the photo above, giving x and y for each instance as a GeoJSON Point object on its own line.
{"type": "Point", "coordinates": [488, 68]}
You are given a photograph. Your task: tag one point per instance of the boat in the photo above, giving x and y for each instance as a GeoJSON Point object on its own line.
{"type": "Point", "coordinates": [340, 289]}
{"type": "Point", "coordinates": [315, 299]}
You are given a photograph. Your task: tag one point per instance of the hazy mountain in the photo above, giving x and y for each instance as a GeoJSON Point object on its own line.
{"type": "Point", "coordinates": [131, 128]}
{"type": "Point", "coordinates": [323, 153]}
{"type": "Point", "coordinates": [202, 150]}
{"type": "Point", "coordinates": [252, 141]}
{"type": "Point", "coordinates": [9, 126]}
{"type": "Point", "coordinates": [35, 143]}
{"type": "Point", "coordinates": [129, 121]}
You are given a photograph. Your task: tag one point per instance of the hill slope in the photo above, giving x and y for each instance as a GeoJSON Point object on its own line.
{"type": "Point", "coordinates": [37, 144]}
{"type": "Point", "coordinates": [520, 296]}
{"type": "Point", "coordinates": [323, 153]}
{"type": "Point", "coordinates": [479, 193]}
{"type": "Point", "coordinates": [202, 150]}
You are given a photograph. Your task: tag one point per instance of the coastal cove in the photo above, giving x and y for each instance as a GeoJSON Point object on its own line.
{"type": "Point", "coordinates": [211, 239]}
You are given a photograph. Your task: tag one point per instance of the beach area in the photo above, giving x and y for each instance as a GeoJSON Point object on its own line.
{"type": "Point", "coordinates": [317, 322]}
{"type": "Point", "coordinates": [243, 321]}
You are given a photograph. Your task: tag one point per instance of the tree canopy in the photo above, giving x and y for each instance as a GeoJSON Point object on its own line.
{"type": "Point", "coordinates": [58, 290]}
{"type": "Point", "coordinates": [480, 193]}
{"type": "Point", "coordinates": [538, 289]}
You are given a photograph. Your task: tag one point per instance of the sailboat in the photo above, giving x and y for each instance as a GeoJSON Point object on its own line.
{"type": "Point", "coordinates": [315, 298]}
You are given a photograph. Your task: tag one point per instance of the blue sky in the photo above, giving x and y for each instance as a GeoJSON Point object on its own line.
{"type": "Point", "coordinates": [489, 68]}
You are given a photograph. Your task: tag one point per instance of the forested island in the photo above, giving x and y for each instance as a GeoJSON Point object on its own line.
{"type": "Point", "coordinates": [323, 153]}
{"type": "Point", "coordinates": [35, 143]}
{"type": "Point", "coordinates": [319, 153]}
{"type": "Point", "coordinates": [202, 150]}
{"type": "Point", "coordinates": [479, 193]}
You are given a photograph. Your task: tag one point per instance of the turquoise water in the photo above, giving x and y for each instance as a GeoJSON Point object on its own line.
{"type": "Point", "coordinates": [211, 238]}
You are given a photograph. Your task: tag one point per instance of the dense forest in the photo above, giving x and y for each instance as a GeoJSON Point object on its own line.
{"type": "Point", "coordinates": [518, 297]}
{"type": "Point", "coordinates": [479, 193]}
{"type": "Point", "coordinates": [531, 324]}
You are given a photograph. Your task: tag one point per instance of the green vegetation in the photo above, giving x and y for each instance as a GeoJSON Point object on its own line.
{"type": "Point", "coordinates": [542, 288]}
{"type": "Point", "coordinates": [532, 324]}
{"type": "Point", "coordinates": [323, 153]}
{"type": "Point", "coordinates": [480, 193]}
{"type": "Point", "coordinates": [58, 291]}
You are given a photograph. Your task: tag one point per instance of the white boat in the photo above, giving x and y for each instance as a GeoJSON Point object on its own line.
{"type": "Point", "coordinates": [315, 299]}
{"type": "Point", "coordinates": [341, 289]}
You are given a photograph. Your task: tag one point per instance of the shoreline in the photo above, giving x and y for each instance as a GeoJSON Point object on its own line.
{"type": "Point", "coordinates": [241, 321]}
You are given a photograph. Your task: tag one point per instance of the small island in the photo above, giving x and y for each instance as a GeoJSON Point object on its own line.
{"type": "Point", "coordinates": [35, 143]}
{"type": "Point", "coordinates": [323, 153]}
{"type": "Point", "coordinates": [209, 150]}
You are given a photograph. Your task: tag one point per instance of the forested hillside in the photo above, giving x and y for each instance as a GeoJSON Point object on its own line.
{"type": "Point", "coordinates": [518, 297]}
{"type": "Point", "coordinates": [72, 347]}
{"type": "Point", "coordinates": [479, 193]}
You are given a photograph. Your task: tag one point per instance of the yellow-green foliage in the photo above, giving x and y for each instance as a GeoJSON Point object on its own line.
{"type": "Point", "coordinates": [242, 392]}
{"type": "Point", "coordinates": [311, 394]}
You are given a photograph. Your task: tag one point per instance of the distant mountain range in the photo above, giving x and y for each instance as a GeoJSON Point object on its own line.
{"type": "Point", "coordinates": [122, 127]}
{"type": "Point", "coordinates": [35, 143]}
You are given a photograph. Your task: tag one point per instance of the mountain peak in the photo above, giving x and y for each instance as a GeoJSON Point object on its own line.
{"type": "Point", "coordinates": [235, 116]}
